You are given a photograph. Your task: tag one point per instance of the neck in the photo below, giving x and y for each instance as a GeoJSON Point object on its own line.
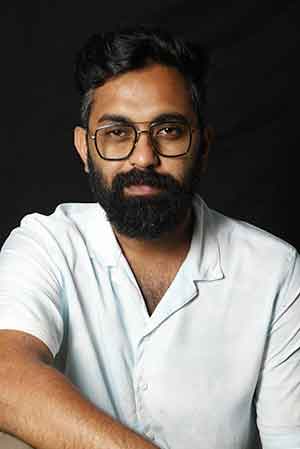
{"type": "Point", "coordinates": [172, 244]}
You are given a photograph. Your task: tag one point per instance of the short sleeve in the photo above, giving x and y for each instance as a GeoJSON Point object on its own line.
{"type": "Point", "coordinates": [278, 391]}
{"type": "Point", "coordinates": [31, 284]}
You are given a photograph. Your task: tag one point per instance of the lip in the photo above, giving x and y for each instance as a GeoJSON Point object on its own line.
{"type": "Point", "coordinates": [142, 190]}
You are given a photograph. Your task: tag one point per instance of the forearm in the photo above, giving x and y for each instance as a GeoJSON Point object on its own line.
{"type": "Point", "coordinates": [40, 406]}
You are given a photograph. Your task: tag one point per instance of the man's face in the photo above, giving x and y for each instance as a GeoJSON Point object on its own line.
{"type": "Point", "coordinates": [145, 195]}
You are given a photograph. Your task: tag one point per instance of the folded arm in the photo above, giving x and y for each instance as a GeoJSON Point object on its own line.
{"type": "Point", "coordinates": [42, 407]}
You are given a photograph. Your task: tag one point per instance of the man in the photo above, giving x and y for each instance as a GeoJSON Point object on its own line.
{"type": "Point", "coordinates": [145, 319]}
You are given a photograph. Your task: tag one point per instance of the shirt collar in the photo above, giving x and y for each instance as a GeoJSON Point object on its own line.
{"type": "Point", "coordinates": [202, 262]}
{"type": "Point", "coordinates": [101, 239]}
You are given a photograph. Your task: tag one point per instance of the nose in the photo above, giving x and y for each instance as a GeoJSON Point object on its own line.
{"type": "Point", "coordinates": [143, 155]}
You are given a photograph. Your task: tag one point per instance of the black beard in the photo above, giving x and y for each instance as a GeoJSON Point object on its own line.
{"type": "Point", "coordinates": [144, 218]}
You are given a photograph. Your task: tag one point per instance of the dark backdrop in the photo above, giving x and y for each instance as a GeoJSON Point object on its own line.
{"type": "Point", "coordinates": [253, 93]}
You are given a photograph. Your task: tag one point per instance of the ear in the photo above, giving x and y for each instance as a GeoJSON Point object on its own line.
{"type": "Point", "coordinates": [208, 138]}
{"type": "Point", "coordinates": [80, 142]}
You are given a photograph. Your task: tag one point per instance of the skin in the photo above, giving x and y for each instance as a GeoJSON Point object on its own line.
{"type": "Point", "coordinates": [38, 404]}
{"type": "Point", "coordinates": [143, 95]}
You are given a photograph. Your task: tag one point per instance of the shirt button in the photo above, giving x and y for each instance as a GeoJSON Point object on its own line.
{"type": "Point", "coordinates": [144, 387]}
{"type": "Point", "coordinates": [151, 436]}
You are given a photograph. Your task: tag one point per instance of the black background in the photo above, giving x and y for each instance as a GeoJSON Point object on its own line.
{"type": "Point", "coordinates": [253, 103]}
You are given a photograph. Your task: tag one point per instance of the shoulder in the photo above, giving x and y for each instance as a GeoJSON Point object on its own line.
{"type": "Point", "coordinates": [246, 246]}
{"type": "Point", "coordinates": [65, 216]}
{"type": "Point", "coordinates": [69, 226]}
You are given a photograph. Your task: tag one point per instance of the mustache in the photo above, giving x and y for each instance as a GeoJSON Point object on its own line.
{"type": "Point", "coordinates": [148, 177]}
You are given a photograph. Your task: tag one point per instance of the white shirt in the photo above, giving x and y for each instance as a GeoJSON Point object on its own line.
{"type": "Point", "coordinates": [222, 345]}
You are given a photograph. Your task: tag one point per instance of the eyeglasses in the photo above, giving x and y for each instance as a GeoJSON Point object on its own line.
{"type": "Point", "coordinates": [116, 141]}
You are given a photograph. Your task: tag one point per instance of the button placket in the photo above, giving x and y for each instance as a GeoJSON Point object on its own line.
{"type": "Point", "coordinates": [142, 386]}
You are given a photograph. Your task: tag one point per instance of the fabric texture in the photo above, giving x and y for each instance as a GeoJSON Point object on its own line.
{"type": "Point", "coordinates": [222, 345]}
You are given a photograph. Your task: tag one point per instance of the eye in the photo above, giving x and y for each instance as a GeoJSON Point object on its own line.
{"type": "Point", "coordinates": [117, 132]}
{"type": "Point", "coordinates": [170, 130]}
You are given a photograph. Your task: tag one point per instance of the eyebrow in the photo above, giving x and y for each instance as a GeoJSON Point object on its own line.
{"type": "Point", "coordinates": [165, 117]}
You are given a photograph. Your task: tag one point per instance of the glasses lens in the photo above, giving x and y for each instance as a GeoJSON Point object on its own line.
{"type": "Point", "coordinates": [172, 138]}
{"type": "Point", "coordinates": [115, 141]}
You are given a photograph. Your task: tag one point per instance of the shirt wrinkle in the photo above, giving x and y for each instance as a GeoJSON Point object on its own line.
{"type": "Point", "coordinates": [183, 377]}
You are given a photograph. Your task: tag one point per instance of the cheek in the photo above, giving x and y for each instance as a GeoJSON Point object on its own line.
{"type": "Point", "coordinates": [194, 158]}
{"type": "Point", "coordinates": [108, 170]}
{"type": "Point", "coordinates": [179, 168]}
{"type": "Point", "coordinates": [186, 165]}
{"type": "Point", "coordinates": [188, 169]}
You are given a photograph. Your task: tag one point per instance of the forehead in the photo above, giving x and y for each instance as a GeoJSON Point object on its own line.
{"type": "Point", "coordinates": [143, 94]}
